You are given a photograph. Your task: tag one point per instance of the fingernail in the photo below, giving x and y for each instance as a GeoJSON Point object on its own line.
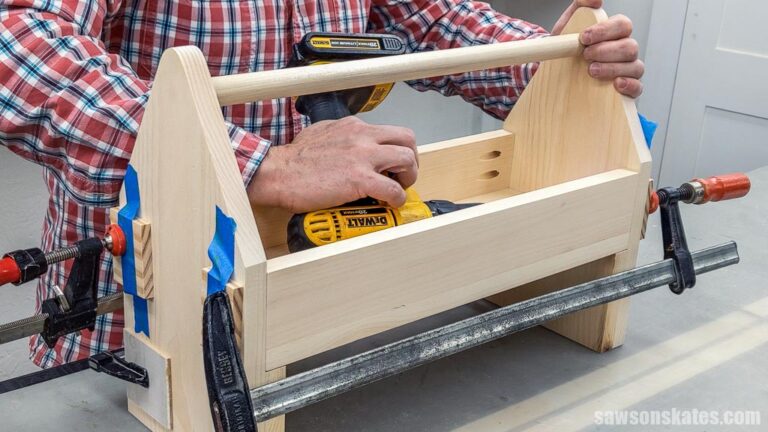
{"type": "Point", "coordinates": [586, 37]}
{"type": "Point", "coordinates": [623, 83]}
{"type": "Point", "coordinates": [594, 69]}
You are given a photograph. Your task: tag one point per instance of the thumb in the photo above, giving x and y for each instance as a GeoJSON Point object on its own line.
{"type": "Point", "coordinates": [568, 14]}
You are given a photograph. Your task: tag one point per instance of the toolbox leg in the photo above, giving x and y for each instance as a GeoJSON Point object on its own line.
{"type": "Point", "coordinates": [276, 424]}
{"type": "Point", "coordinates": [601, 328]}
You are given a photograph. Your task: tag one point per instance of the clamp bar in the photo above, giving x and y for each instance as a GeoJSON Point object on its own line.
{"type": "Point", "coordinates": [312, 386]}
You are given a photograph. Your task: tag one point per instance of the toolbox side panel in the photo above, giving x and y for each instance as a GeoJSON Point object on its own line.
{"type": "Point", "coordinates": [186, 170]}
{"type": "Point", "coordinates": [325, 297]}
{"type": "Point", "coordinates": [568, 125]}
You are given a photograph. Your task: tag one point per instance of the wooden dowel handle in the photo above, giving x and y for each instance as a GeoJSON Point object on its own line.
{"type": "Point", "coordinates": [255, 86]}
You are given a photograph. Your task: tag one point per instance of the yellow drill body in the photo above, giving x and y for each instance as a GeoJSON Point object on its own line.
{"type": "Point", "coordinates": [362, 217]}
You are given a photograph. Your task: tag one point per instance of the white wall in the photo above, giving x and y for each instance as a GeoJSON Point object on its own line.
{"type": "Point", "coordinates": [661, 60]}
{"type": "Point", "coordinates": [546, 12]}
{"type": "Point", "coordinates": [432, 116]}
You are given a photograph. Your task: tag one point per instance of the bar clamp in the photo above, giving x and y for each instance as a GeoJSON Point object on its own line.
{"type": "Point", "coordinates": [697, 191]}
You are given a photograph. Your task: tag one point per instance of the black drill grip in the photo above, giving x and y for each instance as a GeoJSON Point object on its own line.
{"type": "Point", "coordinates": [228, 392]}
{"type": "Point", "coordinates": [323, 106]}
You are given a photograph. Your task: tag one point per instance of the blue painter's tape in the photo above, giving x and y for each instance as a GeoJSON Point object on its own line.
{"type": "Point", "coordinates": [140, 315]}
{"type": "Point", "coordinates": [649, 129]}
{"type": "Point", "coordinates": [125, 218]}
{"type": "Point", "coordinates": [222, 253]}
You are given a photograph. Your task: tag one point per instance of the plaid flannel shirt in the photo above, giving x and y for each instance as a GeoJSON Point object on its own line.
{"type": "Point", "coordinates": [75, 77]}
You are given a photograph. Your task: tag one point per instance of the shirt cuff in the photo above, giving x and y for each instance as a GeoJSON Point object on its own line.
{"type": "Point", "coordinates": [249, 150]}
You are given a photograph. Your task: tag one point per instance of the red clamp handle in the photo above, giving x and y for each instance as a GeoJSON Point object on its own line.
{"type": "Point", "coordinates": [724, 187]}
{"type": "Point", "coordinates": [712, 189]}
{"type": "Point", "coordinates": [9, 271]}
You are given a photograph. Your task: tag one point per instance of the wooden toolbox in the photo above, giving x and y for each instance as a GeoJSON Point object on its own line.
{"type": "Point", "coordinates": [565, 184]}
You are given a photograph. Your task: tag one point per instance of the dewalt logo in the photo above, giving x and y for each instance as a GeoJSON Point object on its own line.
{"type": "Point", "coordinates": [319, 42]}
{"type": "Point", "coordinates": [344, 43]}
{"type": "Point", "coordinates": [367, 221]}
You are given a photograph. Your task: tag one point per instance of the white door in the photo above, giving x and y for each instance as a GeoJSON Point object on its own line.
{"type": "Point", "coordinates": [719, 117]}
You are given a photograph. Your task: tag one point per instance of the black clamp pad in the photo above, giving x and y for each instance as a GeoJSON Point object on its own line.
{"type": "Point", "coordinates": [116, 366]}
{"type": "Point", "coordinates": [228, 392]}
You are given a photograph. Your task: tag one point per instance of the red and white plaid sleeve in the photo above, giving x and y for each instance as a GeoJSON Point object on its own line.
{"type": "Point", "coordinates": [427, 25]}
{"type": "Point", "coordinates": [67, 104]}
{"type": "Point", "coordinates": [74, 108]}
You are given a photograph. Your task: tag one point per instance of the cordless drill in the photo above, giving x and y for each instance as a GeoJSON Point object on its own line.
{"type": "Point", "coordinates": [367, 215]}
{"type": "Point", "coordinates": [364, 216]}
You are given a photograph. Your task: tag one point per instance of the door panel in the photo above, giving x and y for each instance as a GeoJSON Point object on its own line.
{"type": "Point", "coordinates": [719, 116]}
{"type": "Point", "coordinates": [743, 28]}
{"type": "Point", "coordinates": [732, 141]}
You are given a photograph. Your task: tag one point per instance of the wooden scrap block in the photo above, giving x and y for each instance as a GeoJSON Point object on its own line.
{"type": "Point", "coordinates": [235, 293]}
{"type": "Point", "coordinates": [153, 404]}
{"type": "Point", "coordinates": [142, 253]}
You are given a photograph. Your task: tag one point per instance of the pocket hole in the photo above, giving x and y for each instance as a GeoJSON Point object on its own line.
{"type": "Point", "coordinates": [491, 155]}
{"type": "Point", "coordinates": [489, 175]}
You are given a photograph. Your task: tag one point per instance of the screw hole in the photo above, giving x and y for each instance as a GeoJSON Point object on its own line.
{"type": "Point", "coordinates": [490, 175]}
{"type": "Point", "coordinates": [491, 155]}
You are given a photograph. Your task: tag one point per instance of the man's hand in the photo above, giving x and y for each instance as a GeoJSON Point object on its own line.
{"type": "Point", "coordinates": [335, 162]}
{"type": "Point", "coordinates": [610, 49]}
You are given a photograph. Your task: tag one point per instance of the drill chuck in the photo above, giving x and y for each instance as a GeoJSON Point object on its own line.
{"type": "Point", "coordinates": [324, 106]}
{"type": "Point", "coordinates": [320, 48]}
{"type": "Point", "coordinates": [441, 207]}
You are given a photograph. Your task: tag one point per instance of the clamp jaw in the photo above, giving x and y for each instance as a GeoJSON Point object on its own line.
{"type": "Point", "coordinates": [75, 308]}
{"type": "Point", "coordinates": [675, 243]}
{"type": "Point", "coordinates": [116, 366]}
{"type": "Point", "coordinates": [229, 396]}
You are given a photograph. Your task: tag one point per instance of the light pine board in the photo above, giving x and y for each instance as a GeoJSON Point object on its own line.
{"type": "Point", "coordinates": [235, 89]}
{"type": "Point", "coordinates": [568, 125]}
{"type": "Point", "coordinates": [186, 169]}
